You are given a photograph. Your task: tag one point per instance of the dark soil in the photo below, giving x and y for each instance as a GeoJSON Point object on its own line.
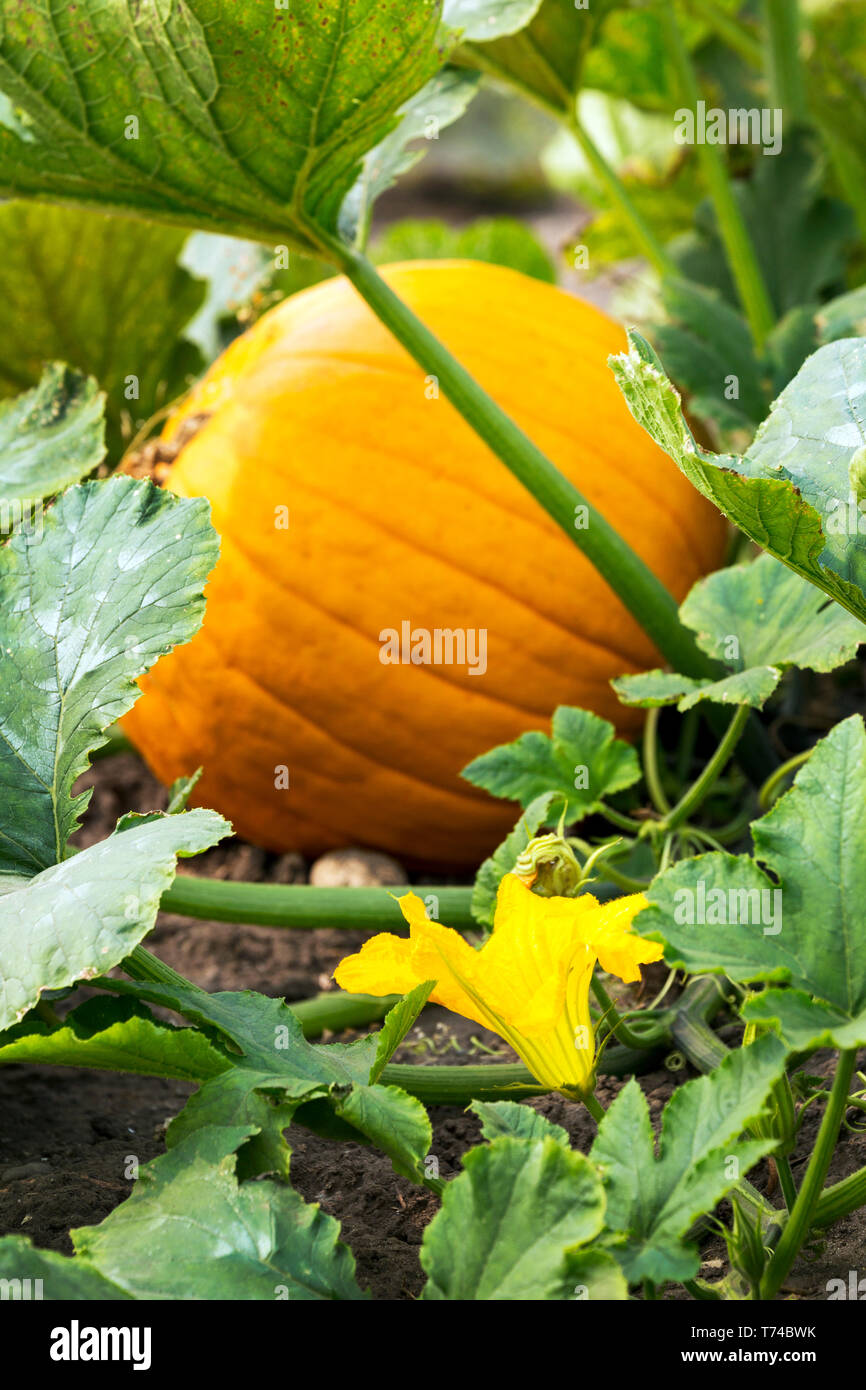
{"type": "Point", "coordinates": [69, 1136]}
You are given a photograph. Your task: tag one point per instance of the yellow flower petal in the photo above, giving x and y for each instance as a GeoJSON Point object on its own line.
{"type": "Point", "coordinates": [608, 932]}
{"type": "Point", "coordinates": [530, 981]}
{"type": "Point", "coordinates": [382, 966]}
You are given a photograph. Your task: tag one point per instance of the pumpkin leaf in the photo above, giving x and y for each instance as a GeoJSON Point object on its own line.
{"type": "Point", "coordinates": [488, 19]}
{"type": "Point", "coordinates": [275, 1071]}
{"type": "Point", "coordinates": [843, 317]}
{"type": "Point", "coordinates": [113, 1035]}
{"type": "Point", "coordinates": [594, 1275]}
{"type": "Point", "coordinates": [114, 580]}
{"type": "Point", "coordinates": [758, 619]}
{"type": "Point", "coordinates": [48, 941]}
{"type": "Point", "coordinates": [804, 1023]}
{"type": "Point", "coordinates": [243, 279]}
{"type": "Point", "coordinates": [608, 45]}
{"type": "Point", "coordinates": [207, 1236]}
{"type": "Point", "coordinates": [106, 295]}
{"type": "Point", "coordinates": [508, 1220]}
{"type": "Point", "coordinates": [652, 689]}
{"type": "Point", "coordinates": [497, 240]}
{"type": "Point", "coordinates": [441, 102]}
{"type": "Point", "coordinates": [180, 792]}
{"type": "Point", "coordinates": [233, 118]}
{"type": "Point", "coordinates": [391, 1119]}
{"type": "Point", "coordinates": [500, 1117]}
{"type": "Point", "coordinates": [581, 760]}
{"type": "Point", "coordinates": [707, 349]}
{"type": "Point", "coordinates": [724, 913]}
{"type": "Point", "coordinates": [49, 437]}
{"type": "Point", "coordinates": [62, 1279]}
{"type": "Point", "coordinates": [396, 1025]}
{"type": "Point", "coordinates": [542, 59]}
{"type": "Point", "coordinates": [796, 471]}
{"type": "Point", "coordinates": [654, 1198]}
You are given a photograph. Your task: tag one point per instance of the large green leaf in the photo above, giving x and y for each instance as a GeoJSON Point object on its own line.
{"type": "Point", "coordinates": [653, 1200]}
{"type": "Point", "coordinates": [251, 119]}
{"type": "Point", "coordinates": [581, 760]}
{"type": "Point", "coordinates": [114, 1035]}
{"type": "Point", "coordinates": [797, 471]}
{"type": "Point", "coordinates": [506, 1117]}
{"type": "Point", "coordinates": [544, 58]}
{"type": "Point", "coordinates": [488, 19]}
{"type": "Point", "coordinates": [113, 581]}
{"type": "Point", "coordinates": [608, 45]}
{"type": "Point", "coordinates": [397, 1023]}
{"type": "Point", "coordinates": [57, 1277]}
{"type": "Point", "coordinates": [277, 1076]}
{"type": "Point", "coordinates": [106, 295]}
{"type": "Point", "coordinates": [509, 1219]}
{"type": "Point", "coordinates": [804, 926]}
{"type": "Point", "coordinates": [757, 619]}
{"type": "Point", "coordinates": [80, 918]}
{"type": "Point", "coordinates": [805, 1023]}
{"type": "Point", "coordinates": [49, 437]}
{"type": "Point", "coordinates": [441, 102]}
{"type": "Point", "coordinates": [843, 317]}
{"type": "Point", "coordinates": [707, 349]}
{"type": "Point", "coordinates": [190, 1231]}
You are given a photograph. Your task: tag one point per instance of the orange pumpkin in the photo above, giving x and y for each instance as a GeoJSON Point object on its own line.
{"type": "Point", "coordinates": [352, 499]}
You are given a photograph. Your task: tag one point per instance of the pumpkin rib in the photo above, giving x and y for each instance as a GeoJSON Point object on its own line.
{"type": "Point", "coordinates": [679, 529]}
{"type": "Point", "coordinates": [281, 702]}
{"type": "Point", "coordinates": [337, 502]}
{"type": "Point", "coordinates": [580, 639]}
{"type": "Point", "coordinates": [356, 632]}
{"type": "Point", "coordinates": [462, 794]}
{"type": "Point", "coordinates": [547, 531]}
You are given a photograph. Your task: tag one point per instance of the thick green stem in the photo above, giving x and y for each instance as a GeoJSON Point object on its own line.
{"type": "Point", "coordinates": [701, 788]}
{"type": "Point", "coordinates": [767, 793]}
{"type": "Point", "coordinates": [303, 905]}
{"type": "Point", "coordinates": [800, 1220]}
{"type": "Point", "coordinates": [739, 250]}
{"type": "Point", "coordinates": [610, 180]}
{"type": "Point", "coordinates": [840, 1199]}
{"type": "Point", "coordinates": [594, 1107]}
{"type": "Point", "coordinates": [651, 768]}
{"type": "Point", "coordinates": [632, 581]}
{"type": "Point", "coordinates": [336, 1011]}
{"type": "Point", "coordinates": [658, 1032]}
{"type": "Point", "coordinates": [702, 999]}
{"type": "Point", "coordinates": [142, 965]}
{"type": "Point", "coordinates": [784, 67]}
{"type": "Point", "coordinates": [786, 1181]}
{"type": "Point", "coordinates": [455, 1085]}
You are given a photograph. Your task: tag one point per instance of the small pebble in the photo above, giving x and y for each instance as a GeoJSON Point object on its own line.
{"type": "Point", "coordinates": [356, 868]}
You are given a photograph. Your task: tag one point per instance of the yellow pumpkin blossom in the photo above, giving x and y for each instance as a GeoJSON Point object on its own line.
{"type": "Point", "coordinates": [530, 981]}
